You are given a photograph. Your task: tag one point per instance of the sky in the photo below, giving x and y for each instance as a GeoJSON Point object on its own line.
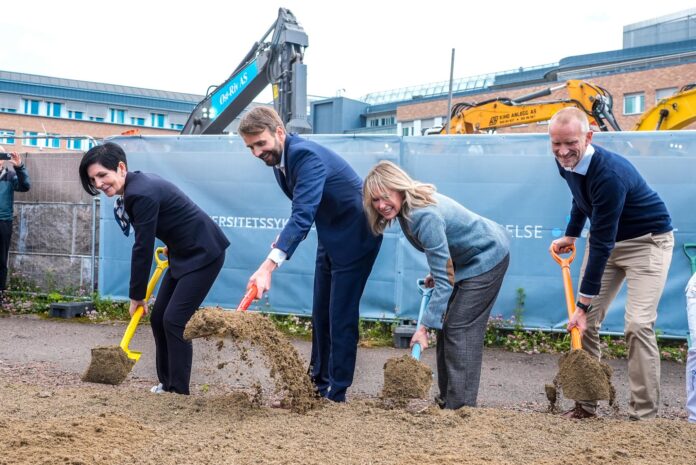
{"type": "Point", "coordinates": [355, 47]}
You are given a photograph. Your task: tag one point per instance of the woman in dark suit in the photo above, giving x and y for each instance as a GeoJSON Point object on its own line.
{"type": "Point", "coordinates": [196, 247]}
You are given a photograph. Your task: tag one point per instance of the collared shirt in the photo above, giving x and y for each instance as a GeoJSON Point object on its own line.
{"type": "Point", "coordinates": [584, 163]}
{"type": "Point", "coordinates": [278, 256]}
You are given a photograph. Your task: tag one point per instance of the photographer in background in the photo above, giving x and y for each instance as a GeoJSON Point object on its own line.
{"type": "Point", "coordinates": [10, 181]}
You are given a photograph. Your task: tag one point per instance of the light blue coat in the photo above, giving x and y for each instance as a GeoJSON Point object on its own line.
{"type": "Point", "coordinates": [458, 244]}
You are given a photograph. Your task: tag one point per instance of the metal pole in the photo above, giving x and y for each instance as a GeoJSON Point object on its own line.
{"type": "Point", "coordinates": [449, 96]}
{"type": "Point", "coordinates": [95, 202]}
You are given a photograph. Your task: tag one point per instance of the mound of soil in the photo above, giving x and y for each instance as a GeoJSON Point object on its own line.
{"type": "Point", "coordinates": [583, 377]}
{"type": "Point", "coordinates": [109, 365]}
{"type": "Point", "coordinates": [286, 366]}
{"type": "Point", "coordinates": [406, 378]}
{"type": "Point", "coordinates": [92, 424]}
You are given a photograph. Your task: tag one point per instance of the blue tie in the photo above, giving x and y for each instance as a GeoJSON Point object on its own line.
{"type": "Point", "coordinates": [121, 216]}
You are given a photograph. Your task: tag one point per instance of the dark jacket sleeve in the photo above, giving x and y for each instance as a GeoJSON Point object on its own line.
{"type": "Point", "coordinates": [309, 173]}
{"type": "Point", "coordinates": [20, 182]}
{"type": "Point", "coordinates": [144, 220]}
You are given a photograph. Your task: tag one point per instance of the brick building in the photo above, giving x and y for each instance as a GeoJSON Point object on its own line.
{"type": "Point", "coordinates": [658, 58]}
{"type": "Point", "coordinates": [52, 114]}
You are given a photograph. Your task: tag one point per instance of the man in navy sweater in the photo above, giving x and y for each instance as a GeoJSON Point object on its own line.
{"type": "Point", "coordinates": [630, 239]}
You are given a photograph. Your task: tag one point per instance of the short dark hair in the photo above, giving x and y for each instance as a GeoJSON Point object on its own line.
{"type": "Point", "coordinates": [258, 119]}
{"type": "Point", "coordinates": [109, 155]}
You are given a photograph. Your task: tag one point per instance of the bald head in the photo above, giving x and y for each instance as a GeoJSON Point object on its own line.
{"type": "Point", "coordinates": [569, 131]}
{"type": "Point", "coordinates": [570, 115]}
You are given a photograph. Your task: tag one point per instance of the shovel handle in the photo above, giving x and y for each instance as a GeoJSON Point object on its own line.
{"type": "Point", "coordinates": [691, 256]}
{"type": "Point", "coordinates": [249, 297]}
{"type": "Point", "coordinates": [425, 292]}
{"type": "Point", "coordinates": [575, 338]}
{"type": "Point", "coordinates": [162, 265]}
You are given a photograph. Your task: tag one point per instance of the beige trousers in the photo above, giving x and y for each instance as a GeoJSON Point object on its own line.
{"type": "Point", "coordinates": [643, 263]}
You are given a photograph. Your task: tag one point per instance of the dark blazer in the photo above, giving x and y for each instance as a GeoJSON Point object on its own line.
{"type": "Point", "coordinates": [159, 209]}
{"type": "Point", "coordinates": [325, 190]}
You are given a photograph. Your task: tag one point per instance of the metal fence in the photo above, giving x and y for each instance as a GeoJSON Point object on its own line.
{"type": "Point", "coordinates": [54, 241]}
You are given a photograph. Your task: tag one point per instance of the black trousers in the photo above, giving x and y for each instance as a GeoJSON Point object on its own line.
{"type": "Point", "coordinates": [177, 301]}
{"type": "Point", "coordinates": [5, 240]}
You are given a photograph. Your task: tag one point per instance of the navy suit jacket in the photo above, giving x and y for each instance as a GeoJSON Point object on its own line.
{"type": "Point", "coordinates": [325, 190]}
{"type": "Point", "coordinates": [159, 209]}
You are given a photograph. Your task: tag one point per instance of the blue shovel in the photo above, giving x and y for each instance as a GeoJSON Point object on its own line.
{"type": "Point", "coordinates": [425, 299]}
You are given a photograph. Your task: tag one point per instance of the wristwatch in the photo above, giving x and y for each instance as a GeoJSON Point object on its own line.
{"type": "Point", "coordinates": [586, 308]}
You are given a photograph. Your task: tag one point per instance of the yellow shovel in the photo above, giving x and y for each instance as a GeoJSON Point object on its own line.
{"type": "Point", "coordinates": [162, 265]}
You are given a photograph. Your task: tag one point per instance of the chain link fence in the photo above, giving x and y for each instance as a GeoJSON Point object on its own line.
{"type": "Point", "coordinates": [55, 228]}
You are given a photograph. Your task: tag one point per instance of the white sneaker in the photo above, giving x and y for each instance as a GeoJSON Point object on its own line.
{"type": "Point", "coordinates": [159, 389]}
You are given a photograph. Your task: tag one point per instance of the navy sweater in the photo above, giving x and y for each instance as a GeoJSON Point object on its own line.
{"type": "Point", "coordinates": [619, 204]}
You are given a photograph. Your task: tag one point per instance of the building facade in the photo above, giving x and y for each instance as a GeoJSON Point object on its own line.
{"type": "Point", "coordinates": [658, 58]}
{"type": "Point", "coordinates": [53, 114]}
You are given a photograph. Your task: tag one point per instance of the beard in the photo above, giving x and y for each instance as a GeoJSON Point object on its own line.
{"type": "Point", "coordinates": [271, 157]}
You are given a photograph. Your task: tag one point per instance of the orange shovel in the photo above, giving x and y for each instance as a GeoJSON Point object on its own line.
{"type": "Point", "coordinates": [575, 339]}
{"type": "Point", "coordinates": [249, 297]}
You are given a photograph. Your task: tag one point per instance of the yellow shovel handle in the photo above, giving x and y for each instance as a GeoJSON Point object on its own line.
{"type": "Point", "coordinates": [162, 265]}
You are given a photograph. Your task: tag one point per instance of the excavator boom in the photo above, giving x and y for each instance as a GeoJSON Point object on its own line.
{"type": "Point", "coordinates": [504, 112]}
{"type": "Point", "coordinates": [671, 113]}
{"type": "Point", "coordinates": [277, 61]}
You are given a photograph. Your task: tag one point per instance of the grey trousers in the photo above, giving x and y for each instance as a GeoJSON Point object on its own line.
{"type": "Point", "coordinates": [459, 348]}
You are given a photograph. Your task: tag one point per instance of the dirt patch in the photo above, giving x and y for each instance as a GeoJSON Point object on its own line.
{"type": "Point", "coordinates": [109, 365]}
{"type": "Point", "coordinates": [406, 378]}
{"type": "Point", "coordinates": [94, 424]}
{"type": "Point", "coordinates": [583, 377]}
{"type": "Point", "coordinates": [285, 364]}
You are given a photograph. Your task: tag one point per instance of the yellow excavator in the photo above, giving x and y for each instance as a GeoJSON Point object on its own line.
{"type": "Point", "coordinates": [501, 112]}
{"type": "Point", "coordinates": [671, 113]}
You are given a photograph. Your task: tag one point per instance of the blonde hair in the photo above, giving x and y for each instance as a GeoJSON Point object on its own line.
{"type": "Point", "coordinates": [385, 176]}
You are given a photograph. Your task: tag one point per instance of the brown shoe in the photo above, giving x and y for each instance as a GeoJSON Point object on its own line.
{"type": "Point", "coordinates": [578, 413]}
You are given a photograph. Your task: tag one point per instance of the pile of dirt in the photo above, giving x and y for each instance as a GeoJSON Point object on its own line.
{"type": "Point", "coordinates": [583, 377]}
{"type": "Point", "coordinates": [93, 424]}
{"type": "Point", "coordinates": [109, 365]}
{"type": "Point", "coordinates": [406, 378]}
{"type": "Point", "coordinates": [285, 364]}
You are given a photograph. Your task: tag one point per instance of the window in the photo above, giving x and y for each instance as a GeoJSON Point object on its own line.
{"type": "Point", "coordinates": [54, 109]}
{"type": "Point", "coordinates": [6, 136]}
{"type": "Point", "coordinates": [75, 144]}
{"type": "Point", "coordinates": [634, 104]}
{"type": "Point", "coordinates": [178, 127]}
{"type": "Point", "coordinates": [405, 131]}
{"type": "Point", "coordinates": [118, 116]}
{"type": "Point", "coordinates": [33, 141]}
{"type": "Point", "coordinates": [75, 114]}
{"type": "Point", "coordinates": [8, 110]}
{"type": "Point", "coordinates": [137, 121]}
{"type": "Point", "coordinates": [52, 142]}
{"type": "Point", "coordinates": [157, 120]}
{"type": "Point", "coordinates": [98, 119]}
{"type": "Point", "coordinates": [31, 107]}
{"type": "Point", "coordinates": [664, 93]}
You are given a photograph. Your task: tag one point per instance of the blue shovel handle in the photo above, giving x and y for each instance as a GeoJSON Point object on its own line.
{"type": "Point", "coordinates": [425, 292]}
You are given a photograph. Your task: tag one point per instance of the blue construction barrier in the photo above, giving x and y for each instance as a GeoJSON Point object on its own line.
{"type": "Point", "coordinates": [511, 179]}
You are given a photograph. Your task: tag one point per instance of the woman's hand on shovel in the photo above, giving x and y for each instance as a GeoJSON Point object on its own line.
{"type": "Point", "coordinates": [420, 337]}
{"type": "Point", "coordinates": [134, 304]}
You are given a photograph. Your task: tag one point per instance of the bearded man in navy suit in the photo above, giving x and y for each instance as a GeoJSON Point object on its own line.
{"type": "Point", "coordinates": [327, 192]}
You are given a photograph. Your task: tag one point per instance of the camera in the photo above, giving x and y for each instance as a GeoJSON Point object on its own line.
{"type": "Point", "coordinates": [5, 156]}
